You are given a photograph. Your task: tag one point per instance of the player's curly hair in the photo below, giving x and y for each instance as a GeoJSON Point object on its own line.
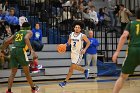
{"type": "Point", "coordinates": [138, 13]}
{"type": "Point", "coordinates": [80, 23]}
{"type": "Point", "coordinates": [26, 26]}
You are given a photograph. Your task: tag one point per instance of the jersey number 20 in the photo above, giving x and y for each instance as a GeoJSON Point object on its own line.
{"type": "Point", "coordinates": [137, 29]}
{"type": "Point", "coordinates": [19, 37]}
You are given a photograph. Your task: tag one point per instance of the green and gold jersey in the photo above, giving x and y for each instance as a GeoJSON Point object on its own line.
{"type": "Point", "coordinates": [134, 32]}
{"type": "Point", "coordinates": [19, 39]}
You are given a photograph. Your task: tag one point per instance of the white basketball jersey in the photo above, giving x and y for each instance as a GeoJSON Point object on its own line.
{"type": "Point", "coordinates": [76, 42]}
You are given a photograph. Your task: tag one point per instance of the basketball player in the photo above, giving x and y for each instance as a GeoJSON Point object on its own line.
{"type": "Point", "coordinates": [76, 39]}
{"type": "Point", "coordinates": [18, 55]}
{"type": "Point", "coordinates": [132, 60]}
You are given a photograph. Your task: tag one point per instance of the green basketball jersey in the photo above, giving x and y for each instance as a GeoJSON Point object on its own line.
{"type": "Point", "coordinates": [19, 39]}
{"type": "Point", "coordinates": [134, 31]}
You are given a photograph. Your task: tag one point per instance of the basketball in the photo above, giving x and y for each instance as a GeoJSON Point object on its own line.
{"type": "Point", "coordinates": [61, 48]}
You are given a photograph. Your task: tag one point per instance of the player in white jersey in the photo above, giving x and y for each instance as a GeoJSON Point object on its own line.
{"type": "Point", "coordinates": [76, 40]}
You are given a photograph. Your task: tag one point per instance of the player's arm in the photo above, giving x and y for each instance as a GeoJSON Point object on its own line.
{"type": "Point", "coordinates": [87, 44]}
{"type": "Point", "coordinates": [69, 41]}
{"type": "Point", "coordinates": [122, 40]}
{"type": "Point", "coordinates": [27, 41]}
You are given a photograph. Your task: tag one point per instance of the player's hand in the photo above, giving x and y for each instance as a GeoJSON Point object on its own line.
{"type": "Point", "coordinates": [34, 54]}
{"type": "Point", "coordinates": [83, 51]}
{"type": "Point", "coordinates": [114, 58]}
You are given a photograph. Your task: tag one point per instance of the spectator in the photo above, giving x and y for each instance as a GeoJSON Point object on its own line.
{"type": "Point", "coordinates": [91, 53]}
{"type": "Point", "coordinates": [80, 13]}
{"type": "Point", "coordinates": [1, 14]}
{"type": "Point", "coordinates": [93, 15]}
{"type": "Point", "coordinates": [106, 17]}
{"type": "Point", "coordinates": [124, 14]}
{"type": "Point", "coordinates": [5, 7]}
{"type": "Point", "coordinates": [83, 2]}
{"type": "Point", "coordinates": [117, 8]}
{"type": "Point", "coordinates": [88, 21]}
{"type": "Point", "coordinates": [74, 9]}
{"type": "Point", "coordinates": [65, 21]}
{"type": "Point", "coordinates": [111, 9]}
{"type": "Point", "coordinates": [5, 58]}
{"type": "Point", "coordinates": [13, 21]}
{"type": "Point", "coordinates": [66, 14]}
{"type": "Point", "coordinates": [56, 6]}
{"type": "Point", "coordinates": [90, 3]}
{"type": "Point", "coordinates": [101, 16]}
{"type": "Point", "coordinates": [36, 39]}
{"type": "Point", "coordinates": [69, 3]}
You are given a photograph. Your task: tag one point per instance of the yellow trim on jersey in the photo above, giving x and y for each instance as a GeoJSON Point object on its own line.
{"type": "Point", "coordinates": [26, 48]}
{"type": "Point", "coordinates": [138, 20]}
{"type": "Point", "coordinates": [25, 53]}
{"type": "Point", "coordinates": [127, 47]}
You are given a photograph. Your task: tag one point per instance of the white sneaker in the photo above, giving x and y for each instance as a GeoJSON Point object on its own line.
{"type": "Point", "coordinates": [39, 66]}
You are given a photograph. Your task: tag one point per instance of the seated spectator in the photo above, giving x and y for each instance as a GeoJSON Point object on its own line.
{"type": "Point", "coordinates": [5, 7]}
{"type": "Point", "coordinates": [13, 21]}
{"type": "Point", "coordinates": [83, 2]}
{"type": "Point", "coordinates": [90, 3]}
{"type": "Point", "coordinates": [36, 39]}
{"type": "Point", "coordinates": [101, 15]}
{"type": "Point", "coordinates": [87, 19]}
{"type": "Point", "coordinates": [56, 6]}
{"type": "Point", "coordinates": [93, 15]}
{"type": "Point", "coordinates": [91, 53]}
{"type": "Point", "coordinates": [68, 3]}
{"type": "Point", "coordinates": [1, 14]}
{"type": "Point", "coordinates": [4, 58]}
{"type": "Point", "coordinates": [79, 14]}
{"type": "Point", "coordinates": [66, 16]}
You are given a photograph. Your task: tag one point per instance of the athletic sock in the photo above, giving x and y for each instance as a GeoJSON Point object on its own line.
{"type": "Point", "coordinates": [33, 88]}
{"type": "Point", "coordinates": [9, 90]}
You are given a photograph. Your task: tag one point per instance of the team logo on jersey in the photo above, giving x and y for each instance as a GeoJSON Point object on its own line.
{"type": "Point", "coordinates": [77, 40]}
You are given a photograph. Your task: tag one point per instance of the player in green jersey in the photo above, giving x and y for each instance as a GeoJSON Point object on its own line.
{"type": "Point", "coordinates": [132, 60]}
{"type": "Point", "coordinates": [18, 55]}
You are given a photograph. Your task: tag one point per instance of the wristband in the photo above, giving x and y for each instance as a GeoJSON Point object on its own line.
{"type": "Point", "coordinates": [67, 44]}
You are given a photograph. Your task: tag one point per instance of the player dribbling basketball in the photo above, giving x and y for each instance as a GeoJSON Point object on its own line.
{"type": "Point", "coordinates": [76, 40]}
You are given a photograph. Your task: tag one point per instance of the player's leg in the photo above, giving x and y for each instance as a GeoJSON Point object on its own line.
{"type": "Point", "coordinates": [62, 84]}
{"type": "Point", "coordinates": [72, 67]}
{"type": "Point", "coordinates": [120, 82]}
{"type": "Point", "coordinates": [29, 79]}
{"type": "Point", "coordinates": [131, 62]}
{"type": "Point", "coordinates": [24, 62]}
{"type": "Point", "coordinates": [14, 67]}
{"type": "Point", "coordinates": [28, 76]}
{"type": "Point", "coordinates": [79, 68]}
{"type": "Point", "coordinates": [69, 73]}
{"type": "Point", "coordinates": [11, 79]}
{"type": "Point", "coordinates": [76, 61]}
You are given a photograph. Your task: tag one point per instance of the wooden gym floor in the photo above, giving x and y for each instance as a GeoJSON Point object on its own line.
{"type": "Point", "coordinates": [98, 85]}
